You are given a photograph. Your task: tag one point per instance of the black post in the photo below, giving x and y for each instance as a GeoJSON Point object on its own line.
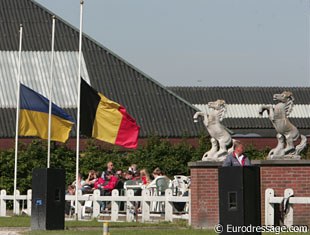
{"type": "Point", "coordinates": [239, 199]}
{"type": "Point", "coordinates": [48, 199]}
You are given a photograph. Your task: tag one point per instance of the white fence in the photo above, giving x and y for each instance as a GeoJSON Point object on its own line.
{"type": "Point", "coordinates": [148, 204]}
{"type": "Point", "coordinates": [288, 200]}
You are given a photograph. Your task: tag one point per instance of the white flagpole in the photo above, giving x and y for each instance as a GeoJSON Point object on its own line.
{"type": "Point", "coordinates": [78, 110]}
{"type": "Point", "coordinates": [17, 115]}
{"type": "Point", "coordinates": [50, 97]}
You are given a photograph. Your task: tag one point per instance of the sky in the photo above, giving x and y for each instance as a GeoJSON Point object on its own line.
{"type": "Point", "coordinates": [202, 42]}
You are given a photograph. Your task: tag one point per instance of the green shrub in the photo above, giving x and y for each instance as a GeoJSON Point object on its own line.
{"type": "Point", "coordinates": [171, 158]}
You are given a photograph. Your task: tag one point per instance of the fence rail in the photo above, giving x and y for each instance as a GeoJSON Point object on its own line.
{"type": "Point", "coordinates": [146, 201]}
{"type": "Point", "coordinates": [287, 201]}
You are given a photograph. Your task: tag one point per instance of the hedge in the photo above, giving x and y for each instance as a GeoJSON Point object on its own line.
{"type": "Point", "coordinates": [171, 158]}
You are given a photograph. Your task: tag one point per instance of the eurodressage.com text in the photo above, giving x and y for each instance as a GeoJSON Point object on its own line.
{"type": "Point", "coordinates": [267, 229]}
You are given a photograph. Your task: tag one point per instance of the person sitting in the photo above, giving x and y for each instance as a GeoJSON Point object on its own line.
{"type": "Point", "coordinates": [112, 181]}
{"type": "Point", "coordinates": [68, 205]}
{"type": "Point", "coordinates": [156, 174]}
{"type": "Point", "coordinates": [99, 181]}
{"type": "Point", "coordinates": [145, 177]}
{"type": "Point", "coordinates": [110, 168]}
{"type": "Point", "coordinates": [81, 182]}
{"type": "Point", "coordinates": [128, 175]}
{"type": "Point", "coordinates": [106, 190]}
{"type": "Point", "coordinates": [89, 182]}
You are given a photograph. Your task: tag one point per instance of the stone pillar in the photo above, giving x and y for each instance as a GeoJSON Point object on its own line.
{"type": "Point", "coordinates": [275, 174]}
{"type": "Point", "coordinates": [204, 194]}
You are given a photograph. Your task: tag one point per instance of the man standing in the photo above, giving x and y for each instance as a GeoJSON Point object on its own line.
{"type": "Point", "coordinates": [237, 157]}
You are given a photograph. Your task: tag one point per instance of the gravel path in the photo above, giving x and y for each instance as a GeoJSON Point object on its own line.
{"type": "Point", "coordinates": [12, 231]}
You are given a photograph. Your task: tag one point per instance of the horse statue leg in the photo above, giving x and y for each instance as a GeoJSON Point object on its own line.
{"type": "Point", "coordinates": [290, 148]}
{"type": "Point", "coordinates": [279, 149]}
{"type": "Point", "coordinates": [212, 153]}
{"type": "Point", "coordinates": [221, 154]}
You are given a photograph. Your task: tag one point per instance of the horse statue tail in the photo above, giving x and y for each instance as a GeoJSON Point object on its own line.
{"type": "Point", "coordinates": [302, 144]}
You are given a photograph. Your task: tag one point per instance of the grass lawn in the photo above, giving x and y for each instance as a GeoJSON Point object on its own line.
{"type": "Point", "coordinates": [127, 231]}
{"type": "Point", "coordinates": [121, 228]}
{"type": "Point", "coordinates": [94, 227]}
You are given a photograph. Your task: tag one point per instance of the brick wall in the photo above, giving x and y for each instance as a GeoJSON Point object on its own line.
{"type": "Point", "coordinates": [277, 175]}
{"type": "Point", "coordinates": [204, 196]}
{"type": "Point", "coordinates": [281, 177]}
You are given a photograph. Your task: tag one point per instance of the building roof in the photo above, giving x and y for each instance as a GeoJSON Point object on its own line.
{"type": "Point", "coordinates": [243, 104]}
{"type": "Point", "coordinates": [156, 109]}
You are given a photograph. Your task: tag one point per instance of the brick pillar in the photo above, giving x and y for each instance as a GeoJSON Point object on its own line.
{"type": "Point", "coordinates": [275, 174]}
{"type": "Point", "coordinates": [204, 194]}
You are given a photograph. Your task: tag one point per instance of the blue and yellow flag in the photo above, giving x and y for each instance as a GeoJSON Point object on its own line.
{"type": "Point", "coordinates": [34, 117]}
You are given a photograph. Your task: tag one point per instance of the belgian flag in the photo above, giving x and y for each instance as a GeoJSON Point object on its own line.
{"type": "Point", "coordinates": [106, 120]}
{"type": "Point", "coordinates": [34, 117]}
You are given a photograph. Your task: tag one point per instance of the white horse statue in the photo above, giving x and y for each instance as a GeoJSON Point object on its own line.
{"type": "Point", "coordinates": [220, 135]}
{"type": "Point", "coordinates": [287, 132]}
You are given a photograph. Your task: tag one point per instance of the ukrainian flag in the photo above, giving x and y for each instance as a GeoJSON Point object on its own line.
{"type": "Point", "coordinates": [34, 117]}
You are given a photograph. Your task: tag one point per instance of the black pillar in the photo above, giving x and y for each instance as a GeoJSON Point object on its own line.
{"type": "Point", "coordinates": [239, 199]}
{"type": "Point", "coordinates": [48, 199]}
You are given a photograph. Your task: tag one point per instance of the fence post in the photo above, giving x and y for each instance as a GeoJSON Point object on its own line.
{"type": "Point", "coordinates": [17, 209]}
{"type": "Point", "coordinates": [114, 205]}
{"type": "Point", "coordinates": [29, 201]}
{"type": "Point", "coordinates": [2, 203]}
{"type": "Point", "coordinates": [288, 218]}
{"type": "Point", "coordinates": [96, 205]}
{"type": "Point", "coordinates": [168, 205]}
{"type": "Point", "coordinates": [269, 208]}
{"type": "Point", "coordinates": [130, 208]}
{"type": "Point", "coordinates": [145, 205]}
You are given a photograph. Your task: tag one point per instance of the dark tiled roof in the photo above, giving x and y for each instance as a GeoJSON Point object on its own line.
{"type": "Point", "coordinates": [248, 95]}
{"type": "Point", "coordinates": [156, 109]}
{"type": "Point", "coordinates": [240, 95]}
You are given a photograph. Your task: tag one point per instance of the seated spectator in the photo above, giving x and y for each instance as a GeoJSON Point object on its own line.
{"type": "Point", "coordinates": [119, 174]}
{"type": "Point", "coordinates": [68, 207]}
{"type": "Point", "coordinates": [145, 177]}
{"type": "Point", "coordinates": [128, 175]}
{"type": "Point", "coordinates": [70, 190]}
{"type": "Point", "coordinates": [99, 181]}
{"type": "Point", "coordinates": [135, 172]}
{"type": "Point", "coordinates": [89, 182]}
{"type": "Point", "coordinates": [110, 168]}
{"type": "Point", "coordinates": [112, 181]}
{"type": "Point", "coordinates": [81, 182]}
{"type": "Point", "coordinates": [156, 173]}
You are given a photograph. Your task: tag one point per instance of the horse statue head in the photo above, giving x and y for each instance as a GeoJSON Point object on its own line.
{"type": "Point", "coordinates": [287, 98]}
{"type": "Point", "coordinates": [220, 135]}
{"type": "Point", "coordinates": [220, 107]}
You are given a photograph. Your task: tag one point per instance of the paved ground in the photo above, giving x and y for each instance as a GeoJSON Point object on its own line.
{"type": "Point", "coordinates": [9, 233]}
{"type": "Point", "coordinates": [12, 231]}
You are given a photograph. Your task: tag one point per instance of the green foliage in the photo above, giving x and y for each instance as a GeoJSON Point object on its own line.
{"type": "Point", "coordinates": [172, 158]}
{"type": "Point", "coordinates": [253, 153]}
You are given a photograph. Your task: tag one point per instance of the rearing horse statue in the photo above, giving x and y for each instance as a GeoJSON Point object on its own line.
{"type": "Point", "coordinates": [287, 132]}
{"type": "Point", "coordinates": [220, 135]}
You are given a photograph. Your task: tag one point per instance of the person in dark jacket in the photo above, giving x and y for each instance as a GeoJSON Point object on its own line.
{"type": "Point", "coordinates": [237, 157]}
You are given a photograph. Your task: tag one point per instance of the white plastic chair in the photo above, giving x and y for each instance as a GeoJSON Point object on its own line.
{"type": "Point", "coordinates": [87, 208]}
{"type": "Point", "coordinates": [180, 184]}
